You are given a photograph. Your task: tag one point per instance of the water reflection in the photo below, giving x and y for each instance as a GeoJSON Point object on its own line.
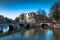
{"type": "Point", "coordinates": [45, 34]}
{"type": "Point", "coordinates": [56, 34]}
{"type": "Point", "coordinates": [37, 34]}
{"type": "Point", "coordinates": [29, 33]}
{"type": "Point", "coordinates": [49, 35]}
{"type": "Point", "coordinates": [34, 34]}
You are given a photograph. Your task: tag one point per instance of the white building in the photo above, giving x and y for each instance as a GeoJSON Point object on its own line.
{"type": "Point", "coordinates": [26, 17]}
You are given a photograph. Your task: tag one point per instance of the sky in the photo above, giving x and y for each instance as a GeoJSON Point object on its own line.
{"type": "Point", "coordinates": [13, 8]}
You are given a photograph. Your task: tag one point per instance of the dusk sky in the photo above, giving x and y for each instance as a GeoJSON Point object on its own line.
{"type": "Point", "coordinates": [13, 8]}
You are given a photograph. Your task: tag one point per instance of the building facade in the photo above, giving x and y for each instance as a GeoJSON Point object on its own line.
{"type": "Point", "coordinates": [33, 18]}
{"type": "Point", "coordinates": [28, 17]}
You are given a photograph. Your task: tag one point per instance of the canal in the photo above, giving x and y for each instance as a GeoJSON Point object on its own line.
{"type": "Point", "coordinates": [34, 34]}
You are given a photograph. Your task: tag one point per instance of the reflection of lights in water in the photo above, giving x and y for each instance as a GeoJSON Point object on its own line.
{"type": "Point", "coordinates": [49, 35]}
{"type": "Point", "coordinates": [29, 33]}
{"type": "Point", "coordinates": [5, 29]}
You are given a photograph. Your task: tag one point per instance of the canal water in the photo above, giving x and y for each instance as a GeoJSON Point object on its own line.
{"type": "Point", "coordinates": [34, 34]}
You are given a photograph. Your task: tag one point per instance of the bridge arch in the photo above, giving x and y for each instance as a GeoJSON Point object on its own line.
{"type": "Point", "coordinates": [43, 25]}
{"type": "Point", "coordinates": [11, 27]}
